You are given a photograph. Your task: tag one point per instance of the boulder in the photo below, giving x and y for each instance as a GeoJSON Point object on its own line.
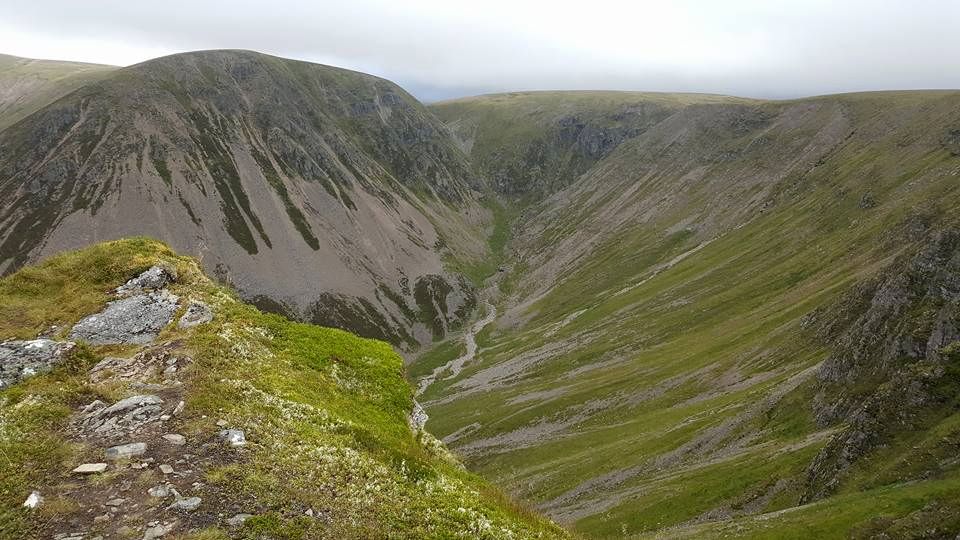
{"type": "Point", "coordinates": [121, 418]}
{"type": "Point", "coordinates": [238, 519]}
{"type": "Point", "coordinates": [21, 359]}
{"type": "Point", "coordinates": [197, 313]}
{"type": "Point", "coordinates": [134, 320]}
{"type": "Point", "coordinates": [233, 437]}
{"type": "Point", "coordinates": [175, 439]}
{"type": "Point", "coordinates": [126, 451]}
{"type": "Point", "coordinates": [186, 504]}
{"type": "Point", "coordinates": [157, 530]}
{"type": "Point", "coordinates": [154, 278]}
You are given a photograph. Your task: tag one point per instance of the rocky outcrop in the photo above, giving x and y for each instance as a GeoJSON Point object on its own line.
{"type": "Point", "coordinates": [152, 279]}
{"type": "Point", "coordinates": [418, 417]}
{"type": "Point", "coordinates": [134, 320]}
{"type": "Point", "coordinates": [121, 418]}
{"type": "Point", "coordinates": [895, 364]}
{"type": "Point", "coordinates": [21, 359]}
{"type": "Point", "coordinates": [152, 364]}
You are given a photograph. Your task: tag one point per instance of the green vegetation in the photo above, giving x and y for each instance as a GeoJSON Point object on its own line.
{"type": "Point", "coordinates": [479, 269]}
{"type": "Point", "coordinates": [656, 372]}
{"type": "Point", "coordinates": [41, 82]}
{"type": "Point", "coordinates": [326, 411]}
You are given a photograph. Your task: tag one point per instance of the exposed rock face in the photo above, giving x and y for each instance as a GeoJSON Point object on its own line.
{"type": "Point", "coordinates": [134, 320]}
{"type": "Point", "coordinates": [21, 359]}
{"type": "Point", "coordinates": [895, 365]}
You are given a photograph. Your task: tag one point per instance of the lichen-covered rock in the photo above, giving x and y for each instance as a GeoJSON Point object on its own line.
{"type": "Point", "coordinates": [134, 320]}
{"type": "Point", "coordinates": [121, 418]}
{"type": "Point", "coordinates": [21, 359]}
{"type": "Point", "coordinates": [154, 278]}
{"type": "Point", "coordinates": [126, 451]}
{"type": "Point", "coordinates": [418, 417]}
{"type": "Point", "coordinates": [141, 367]}
{"type": "Point", "coordinates": [197, 313]}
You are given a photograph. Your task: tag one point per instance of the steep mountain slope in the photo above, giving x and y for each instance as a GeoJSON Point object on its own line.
{"type": "Point", "coordinates": [741, 307]}
{"type": "Point", "coordinates": [27, 85]}
{"type": "Point", "coordinates": [330, 195]}
{"type": "Point", "coordinates": [229, 423]}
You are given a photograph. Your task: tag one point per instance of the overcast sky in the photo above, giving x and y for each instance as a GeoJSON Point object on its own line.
{"type": "Point", "coordinates": [446, 48]}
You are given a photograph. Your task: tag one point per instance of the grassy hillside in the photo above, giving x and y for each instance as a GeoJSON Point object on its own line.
{"type": "Point", "coordinates": [27, 85]}
{"type": "Point", "coordinates": [685, 334]}
{"type": "Point", "coordinates": [324, 412]}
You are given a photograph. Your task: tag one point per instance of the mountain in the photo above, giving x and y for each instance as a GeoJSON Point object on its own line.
{"type": "Point", "coordinates": [717, 316]}
{"type": "Point", "coordinates": [648, 315]}
{"type": "Point", "coordinates": [27, 85]}
{"type": "Point", "coordinates": [329, 195]}
{"type": "Point", "coordinates": [229, 422]}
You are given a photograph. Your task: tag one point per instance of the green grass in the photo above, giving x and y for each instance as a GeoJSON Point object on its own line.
{"type": "Point", "coordinates": [478, 269]}
{"type": "Point", "coordinates": [325, 411]}
{"type": "Point", "coordinates": [670, 350]}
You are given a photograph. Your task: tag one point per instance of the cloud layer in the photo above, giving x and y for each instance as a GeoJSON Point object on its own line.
{"type": "Point", "coordinates": [440, 49]}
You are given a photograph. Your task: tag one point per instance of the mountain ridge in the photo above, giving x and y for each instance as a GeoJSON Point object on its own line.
{"type": "Point", "coordinates": [685, 289]}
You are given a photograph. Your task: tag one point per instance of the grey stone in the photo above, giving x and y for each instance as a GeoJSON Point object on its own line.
{"type": "Point", "coordinates": [156, 531]}
{"type": "Point", "coordinates": [91, 468]}
{"type": "Point", "coordinates": [154, 278]}
{"type": "Point", "coordinates": [124, 416]}
{"type": "Point", "coordinates": [141, 367]}
{"type": "Point", "coordinates": [166, 469]}
{"type": "Point", "coordinates": [160, 491]}
{"type": "Point", "coordinates": [238, 519]}
{"type": "Point", "coordinates": [187, 504]}
{"type": "Point", "coordinates": [34, 500]}
{"type": "Point", "coordinates": [125, 451]}
{"type": "Point", "coordinates": [21, 359]}
{"type": "Point", "coordinates": [175, 438]}
{"type": "Point", "coordinates": [418, 417]}
{"type": "Point", "coordinates": [197, 313]}
{"type": "Point", "coordinates": [233, 437]}
{"type": "Point", "coordinates": [114, 502]}
{"type": "Point", "coordinates": [135, 320]}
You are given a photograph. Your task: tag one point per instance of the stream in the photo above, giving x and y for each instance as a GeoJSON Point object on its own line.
{"type": "Point", "coordinates": [456, 365]}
